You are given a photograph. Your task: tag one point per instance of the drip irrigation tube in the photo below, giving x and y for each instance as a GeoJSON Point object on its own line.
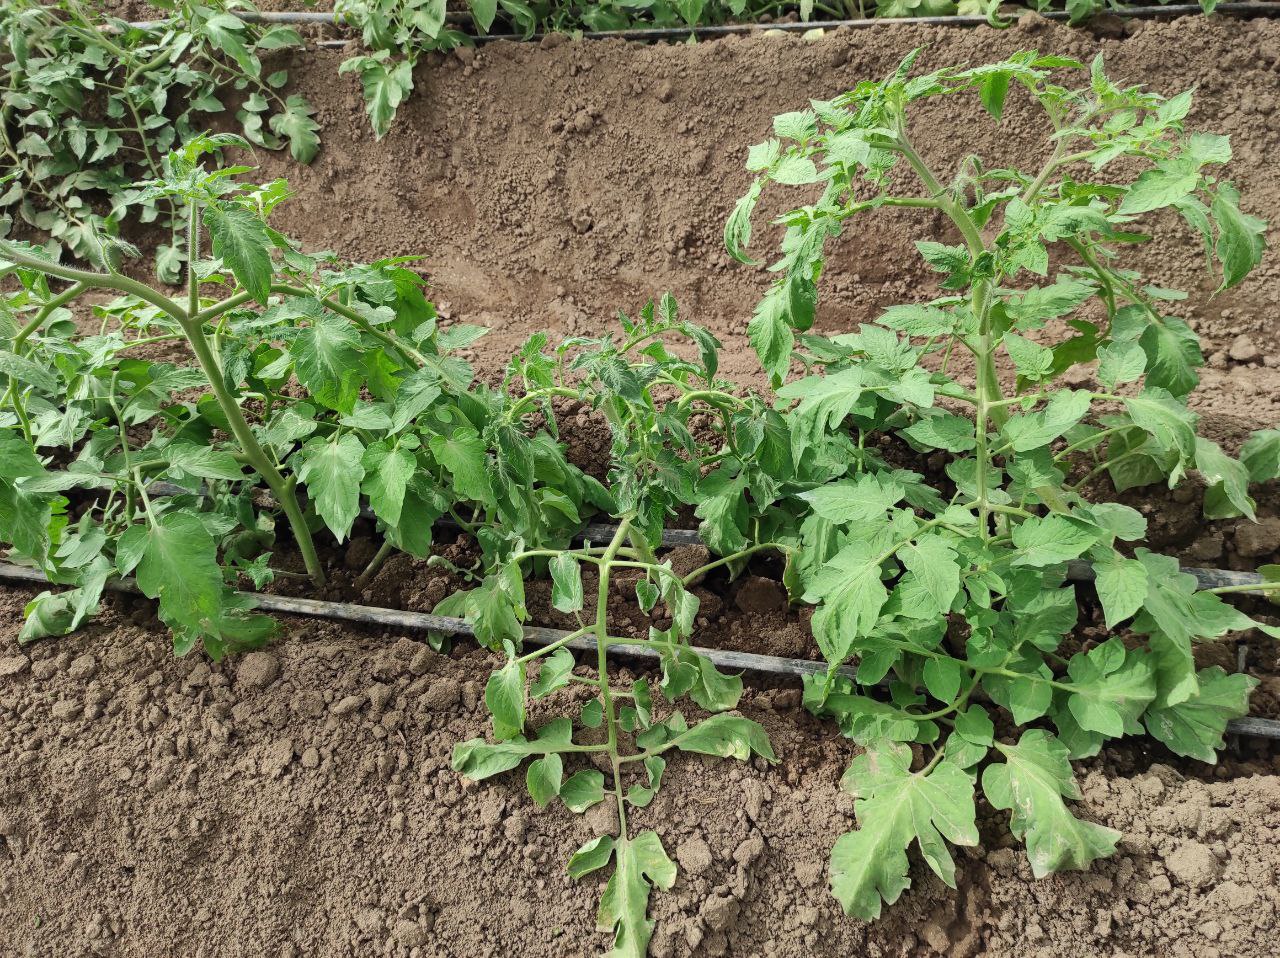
{"type": "Point", "coordinates": [1263, 8]}
{"type": "Point", "coordinates": [674, 538]}
{"type": "Point", "coordinates": [536, 635]}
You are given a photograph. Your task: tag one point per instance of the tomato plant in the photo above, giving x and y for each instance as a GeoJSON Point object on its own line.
{"type": "Point", "coordinates": [958, 600]}
{"type": "Point", "coordinates": [91, 105]}
{"type": "Point", "coordinates": [656, 464]}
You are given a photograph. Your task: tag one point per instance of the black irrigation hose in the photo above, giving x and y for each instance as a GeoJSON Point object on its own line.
{"type": "Point", "coordinates": [1264, 8]}
{"type": "Point", "coordinates": [536, 635]}
{"type": "Point", "coordinates": [674, 538]}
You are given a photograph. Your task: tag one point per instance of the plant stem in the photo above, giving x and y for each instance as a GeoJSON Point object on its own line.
{"type": "Point", "coordinates": [193, 329]}
{"type": "Point", "coordinates": [602, 664]}
{"type": "Point", "coordinates": [66, 296]}
{"type": "Point", "coordinates": [375, 564]}
{"type": "Point", "coordinates": [1255, 587]}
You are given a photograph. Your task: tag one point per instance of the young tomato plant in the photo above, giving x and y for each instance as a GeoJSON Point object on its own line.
{"type": "Point", "coordinates": [655, 465]}
{"type": "Point", "coordinates": [91, 104]}
{"type": "Point", "coordinates": [88, 414]}
{"type": "Point", "coordinates": [958, 601]}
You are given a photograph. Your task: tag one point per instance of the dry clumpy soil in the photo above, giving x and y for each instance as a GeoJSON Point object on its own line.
{"type": "Point", "coordinates": [298, 802]}
{"type": "Point", "coordinates": [549, 186]}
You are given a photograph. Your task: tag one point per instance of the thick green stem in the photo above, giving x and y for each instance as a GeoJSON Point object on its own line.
{"type": "Point", "coordinates": [602, 665]}
{"type": "Point", "coordinates": [256, 456]}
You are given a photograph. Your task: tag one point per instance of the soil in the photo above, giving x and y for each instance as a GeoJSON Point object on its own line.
{"type": "Point", "coordinates": [299, 802]}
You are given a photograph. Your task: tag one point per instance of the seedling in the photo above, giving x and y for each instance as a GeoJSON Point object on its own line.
{"type": "Point", "coordinates": [335, 328]}
{"type": "Point", "coordinates": [956, 597]}
{"type": "Point", "coordinates": [655, 462]}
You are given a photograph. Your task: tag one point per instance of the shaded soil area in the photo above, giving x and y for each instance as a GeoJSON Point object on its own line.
{"type": "Point", "coordinates": [299, 802]}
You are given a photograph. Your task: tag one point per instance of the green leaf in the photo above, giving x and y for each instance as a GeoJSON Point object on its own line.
{"type": "Point", "coordinates": [943, 677]}
{"type": "Point", "coordinates": [464, 457]}
{"type": "Point", "coordinates": [1174, 614]}
{"type": "Point", "coordinates": [296, 125]}
{"type": "Point", "coordinates": [484, 12]}
{"type": "Point", "coordinates": [554, 673]}
{"type": "Point", "coordinates": [17, 458]}
{"type": "Point", "coordinates": [852, 595]}
{"type": "Point", "coordinates": [1227, 480]}
{"type": "Point", "coordinates": [478, 759]}
{"type": "Point", "coordinates": [388, 467]}
{"type": "Point", "coordinates": [1051, 540]}
{"type": "Point", "coordinates": [327, 360]}
{"type": "Point", "coordinates": [992, 93]}
{"type": "Point", "coordinates": [1194, 728]}
{"type": "Point", "coordinates": [1111, 688]}
{"type": "Point", "coordinates": [592, 856]}
{"type": "Point", "coordinates": [504, 698]}
{"type": "Point", "coordinates": [179, 566]}
{"type": "Point", "coordinates": [641, 864]}
{"type": "Point", "coordinates": [642, 795]}
{"type": "Point", "coordinates": [770, 334]}
{"type": "Point", "coordinates": [543, 779]}
{"type": "Point", "coordinates": [1168, 421]}
{"type": "Point", "coordinates": [944, 431]}
{"type": "Point", "coordinates": [1121, 362]}
{"type": "Point", "coordinates": [1032, 783]}
{"type": "Point", "coordinates": [1260, 455]}
{"type": "Point", "coordinates": [728, 736]}
{"type": "Point", "coordinates": [1033, 361]}
{"type": "Point", "coordinates": [894, 808]}
{"type": "Point", "coordinates": [566, 583]}
{"type": "Point", "coordinates": [918, 319]}
{"type": "Point", "coordinates": [414, 396]}
{"type": "Point", "coordinates": [932, 581]}
{"type": "Point", "coordinates": [713, 690]}
{"type": "Point", "coordinates": [582, 790]}
{"type": "Point", "coordinates": [1173, 355]}
{"type": "Point", "coordinates": [1121, 585]}
{"type": "Point", "coordinates": [241, 241]}
{"type": "Point", "coordinates": [867, 497]}
{"type": "Point", "coordinates": [1160, 187]}
{"type": "Point", "coordinates": [332, 471]}
{"type": "Point", "coordinates": [384, 89]}
{"type": "Point", "coordinates": [202, 461]}
{"type": "Point", "coordinates": [27, 372]}
{"type": "Point", "coordinates": [737, 229]}
{"type": "Point", "coordinates": [50, 614]}
{"type": "Point", "coordinates": [1241, 237]}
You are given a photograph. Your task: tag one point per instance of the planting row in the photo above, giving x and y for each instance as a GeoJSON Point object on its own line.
{"type": "Point", "coordinates": [308, 374]}
{"type": "Point", "coordinates": [90, 105]}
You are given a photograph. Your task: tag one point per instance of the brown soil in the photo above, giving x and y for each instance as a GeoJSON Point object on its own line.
{"type": "Point", "coordinates": [548, 186]}
{"type": "Point", "coordinates": [299, 802]}
{"type": "Point", "coordinates": [152, 806]}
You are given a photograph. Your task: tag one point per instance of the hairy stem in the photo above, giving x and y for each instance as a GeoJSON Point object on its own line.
{"type": "Point", "coordinates": [193, 330]}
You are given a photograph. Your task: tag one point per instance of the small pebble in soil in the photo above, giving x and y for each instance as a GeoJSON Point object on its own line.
{"type": "Point", "coordinates": [1193, 864]}
{"type": "Point", "coordinates": [1244, 350]}
{"type": "Point", "coordinates": [348, 705]}
{"type": "Point", "coordinates": [257, 670]}
{"type": "Point", "coordinates": [83, 668]}
{"type": "Point", "coordinates": [1254, 540]}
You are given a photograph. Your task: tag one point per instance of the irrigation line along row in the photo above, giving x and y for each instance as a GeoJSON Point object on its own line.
{"type": "Point", "coordinates": [1263, 9]}
{"type": "Point", "coordinates": [675, 538]}
{"type": "Point", "coordinates": [536, 635]}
